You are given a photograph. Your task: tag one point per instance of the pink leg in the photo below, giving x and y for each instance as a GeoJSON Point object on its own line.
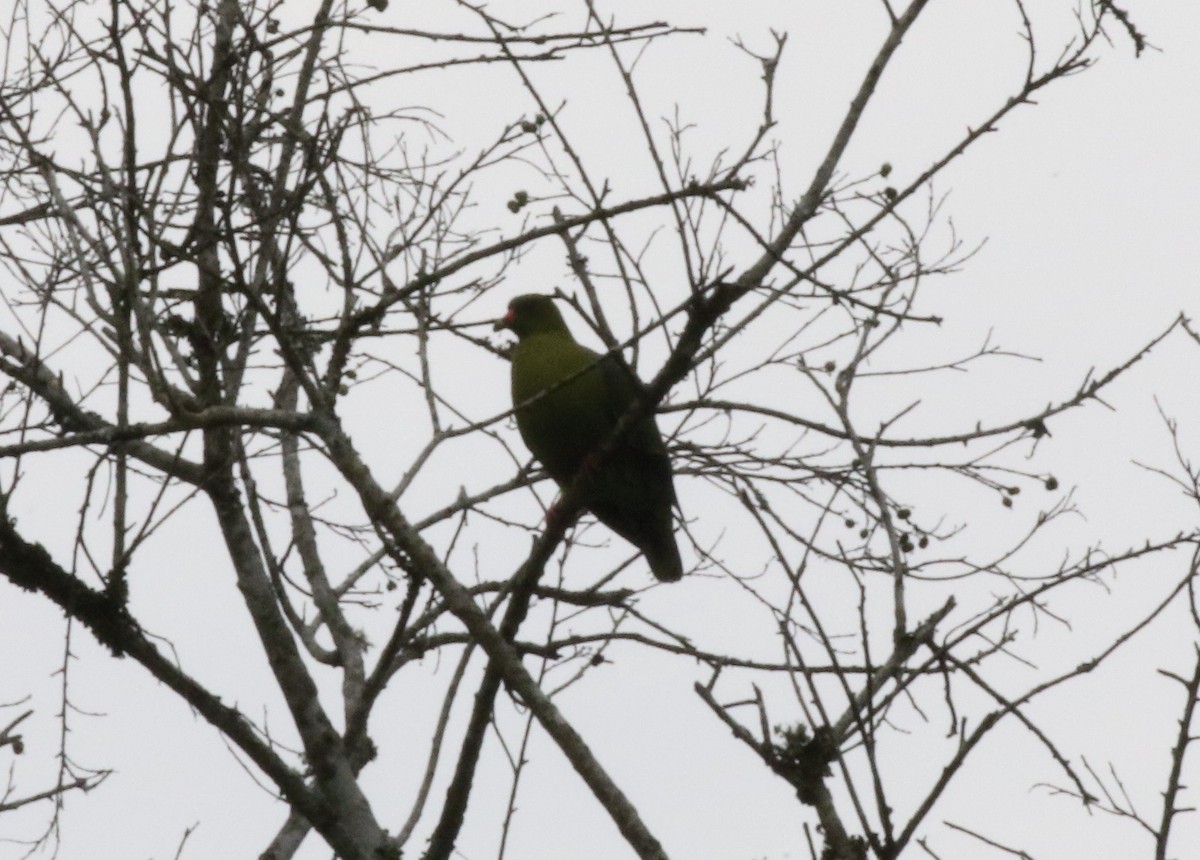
{"type": "Point", "coordinates": [553, 517]}
{"type": "Point", "coordinates": [589, 465]}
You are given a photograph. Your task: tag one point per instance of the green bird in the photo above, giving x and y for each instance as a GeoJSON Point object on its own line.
{"type": "Point", "coordinates": [630, 489]}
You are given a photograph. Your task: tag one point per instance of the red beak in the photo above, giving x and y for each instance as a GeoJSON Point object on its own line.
{"type": "Point", "coordinates": [506, 321]}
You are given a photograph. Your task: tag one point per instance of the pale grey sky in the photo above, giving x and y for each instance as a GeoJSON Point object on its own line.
{"type": "Point", "coordinates": [1089, 203]}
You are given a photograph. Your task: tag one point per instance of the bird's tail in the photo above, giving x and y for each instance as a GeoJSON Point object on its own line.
{"type": "Point", "coordinates": [665, 563]}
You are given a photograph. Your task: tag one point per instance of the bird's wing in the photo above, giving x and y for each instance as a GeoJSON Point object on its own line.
{"type": "Point", "coordinates": [642, 449]}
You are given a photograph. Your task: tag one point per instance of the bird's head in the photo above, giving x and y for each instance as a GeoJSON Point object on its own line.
{"type": "Point", "coordinates": [532, 313]}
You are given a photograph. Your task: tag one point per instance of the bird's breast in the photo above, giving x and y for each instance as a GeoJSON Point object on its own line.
{"type": "Point", "coordinates": [561, 408]}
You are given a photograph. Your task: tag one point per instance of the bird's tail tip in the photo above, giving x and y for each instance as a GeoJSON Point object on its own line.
{"type": "Point", "coordinates": [666, 565]}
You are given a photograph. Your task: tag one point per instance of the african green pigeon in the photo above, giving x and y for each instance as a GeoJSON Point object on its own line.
{"type": "Point", "coordinates": [630, 489]}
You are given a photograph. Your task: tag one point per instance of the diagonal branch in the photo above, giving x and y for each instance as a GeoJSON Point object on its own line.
{"type": "Point", "coordinates": [26, 368]}
{"type": "Point", "coordinates": [421, 561]}
{"type": "Point", "coordinates": [1174, 780]}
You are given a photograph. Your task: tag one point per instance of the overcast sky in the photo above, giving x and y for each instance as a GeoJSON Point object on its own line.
{"type": "Point", "coordinates": [1089, 204]}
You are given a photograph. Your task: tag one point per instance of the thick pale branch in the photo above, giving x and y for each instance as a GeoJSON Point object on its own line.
{"type": "Point", "coordinates": [323, 746]}
{"type": "Point", "coordinates": [424, 562]}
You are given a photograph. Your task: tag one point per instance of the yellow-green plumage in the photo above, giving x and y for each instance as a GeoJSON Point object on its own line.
{"type": "Point", "coordinates": [630, 489]}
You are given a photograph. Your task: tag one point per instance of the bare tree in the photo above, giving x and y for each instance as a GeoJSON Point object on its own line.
{"type": "Point", "coordinates": [249, 287]}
